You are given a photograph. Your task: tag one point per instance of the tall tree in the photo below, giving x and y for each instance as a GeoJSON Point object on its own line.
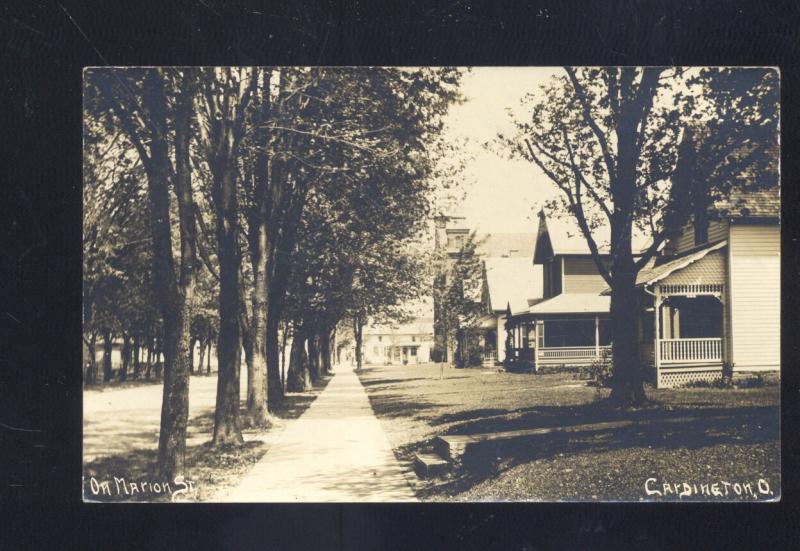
{"type": "Point", "coordinates": [146, 104]}
{"type": "Point", "coordinates": [225, 94]}
{"type": "Point", "coordinates": [459, 298]}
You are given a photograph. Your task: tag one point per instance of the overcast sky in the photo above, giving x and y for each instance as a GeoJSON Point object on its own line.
{"type": "Point", "coordinates": [500, 193]}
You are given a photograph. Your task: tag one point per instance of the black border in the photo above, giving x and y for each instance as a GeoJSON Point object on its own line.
{"type": "Point", "coordinates": [45, 47]}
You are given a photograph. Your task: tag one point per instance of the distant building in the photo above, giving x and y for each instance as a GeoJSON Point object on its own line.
{"type": "Point", "coordinates": [398, 344]}
{"type": "Point", "coordinates": [451, 235]}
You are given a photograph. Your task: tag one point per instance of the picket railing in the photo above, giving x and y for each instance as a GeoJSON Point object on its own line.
{"type": "Point", "coordinates": [678, 351]}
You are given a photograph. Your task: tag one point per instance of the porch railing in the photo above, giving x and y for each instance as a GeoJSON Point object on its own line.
{"type": "Point", "coordinates": [569, 353]}
{"type": "Point", "coordinates": [489, 355]}
{"type": "Point", "coordinates": [677, 351]}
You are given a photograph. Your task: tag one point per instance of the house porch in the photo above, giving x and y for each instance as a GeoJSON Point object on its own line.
{"type": "Point", "coordinates": [688, 333]}
{"type": "Point", "coordinates": [559, 340]}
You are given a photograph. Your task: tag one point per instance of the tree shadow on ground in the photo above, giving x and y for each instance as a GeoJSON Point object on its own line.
{"type": "Point", "coordinates": [207, 466]}
{"type": "Point", "coordinates": [130, 382]}
{"type": "Point", "coordinates": [654, 428]}
{"type": "Point", "coordinates": [397, 405]}
{"type": "Point", "coordinates": [387, 381]}
{"type": "Point", "coordinates": [296, 403]}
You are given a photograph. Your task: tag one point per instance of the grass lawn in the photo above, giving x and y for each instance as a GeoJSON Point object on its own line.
{"type": "Point", "coordinates": [700, 436]}
{"type": "Point", "coordinates": [211, 471]}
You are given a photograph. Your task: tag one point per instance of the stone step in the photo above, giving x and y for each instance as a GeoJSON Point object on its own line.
{"type": "Point", "coordinates": [453, 447]}
{"type": "Point", "coordinates": [428, 465]}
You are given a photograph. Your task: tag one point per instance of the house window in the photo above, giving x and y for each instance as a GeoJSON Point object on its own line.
{"type": "Point", "coordinates": [380, 338]}
{"type": "Point", "coordinates": [569, 333]}
{"type": "Point", "coordinates": [413, 350]}
{"type": "Point", "coordinates": [413, 338]}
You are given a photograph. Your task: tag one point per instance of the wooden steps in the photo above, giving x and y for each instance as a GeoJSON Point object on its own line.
{"type": "Point", "coordinates": [428, 465]}
{"type": "Point", "coordinates": [453, 447]}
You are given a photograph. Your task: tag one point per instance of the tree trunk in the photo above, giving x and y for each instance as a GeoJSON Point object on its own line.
{"type": "Point", "coordinates": [175, 289]}
{"type": "Point", "coordinates": [192, 343]}
{"type": "Point", "coordinates": [92, 376]}
{"type": "Point", "coordinates": [280, 268]}
{"type": "Point", "coordinates": [284, 340]}
{"type": "Point", "coordinates": [298, 378]}
{"type": "Point", "coordinates": [627, 380]}
{"type": "Point", "coordinates": [208, 358]}
{"type": "Point", "coordinates": [258, 241]}
{"type": "Point", "coordinates": [148, 371]}
{"type": "Point", "coordinates": [157, 350]}
{"type": "Point", "coordinates": [137, 362]}
{"type": "Point", "coordinates": [313, 355]}
{"type": "Point", "coordinates": [358, 328]}
{"type": "Point", "coordinates": [126, 358]}
{"type": "Point", "coordinates": [256, 370]}
{"type": "Point", "coordinates": [227, 425]}
{"type": "Point", "coordinates": [201, 352]}
{"type": "Point", "coordinates": [325, 351]}
{"type": "Point", "coordinates": [108, 344]}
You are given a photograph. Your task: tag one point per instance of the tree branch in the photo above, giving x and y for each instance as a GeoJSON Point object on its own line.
{"type": "Point", "coordinates": [587, 115]}
{"type": "Point", "coordinates": [579, 175]}
{"type": "Point", "coordinates": [581, 216]}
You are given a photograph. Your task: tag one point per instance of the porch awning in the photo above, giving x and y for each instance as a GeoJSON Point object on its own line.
{"type": "Point", "coordinates": [648, 276]}
{"type": "Point", "coordinates": [573, 303]}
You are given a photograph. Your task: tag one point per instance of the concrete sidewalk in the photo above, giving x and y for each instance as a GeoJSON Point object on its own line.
{"type": "Point", "coordinates": [335, 452]}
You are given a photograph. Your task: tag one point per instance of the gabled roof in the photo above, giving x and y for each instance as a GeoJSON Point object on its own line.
{"type": "Point", "coordinates": [760, 203]}
{"type": "Point", "coordinates": [511, 245]}
{"type": "Point", "coordinates": [563, 236]}
{"type": "Point", "coordinates": [573, 303]}
{"type": "Point", "coordinates": [656, 272]}
{"type": "Point", "coordinates": [512, 281]}
{"type": "Point", "coordinates": [414, 327]}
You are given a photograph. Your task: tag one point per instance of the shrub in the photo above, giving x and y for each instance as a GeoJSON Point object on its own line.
{"type": "Point", "coordinates": [601, 369]}
{"type": "Point", "coordinates": [437, 354]}
{"type": "Point", "coordinates": [756, 381]}
{"type": "Point", "coordinates": [475, 356]}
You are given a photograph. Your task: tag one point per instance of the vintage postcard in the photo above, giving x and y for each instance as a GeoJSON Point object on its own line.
{"type": "Point", "coordinates": [396, 284]}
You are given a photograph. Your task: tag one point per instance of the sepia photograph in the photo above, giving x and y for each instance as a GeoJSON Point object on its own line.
{"type": "Point", "coordinates": [318, 284]}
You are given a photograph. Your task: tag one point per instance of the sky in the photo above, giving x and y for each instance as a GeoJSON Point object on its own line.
{"type": "Point", "coordinates": [501, 195]}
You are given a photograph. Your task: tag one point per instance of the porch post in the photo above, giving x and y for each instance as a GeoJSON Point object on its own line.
{"type": "Point", "coordinates": [656, 339]}
{"type": "Point", "coordinates": [597, 336]}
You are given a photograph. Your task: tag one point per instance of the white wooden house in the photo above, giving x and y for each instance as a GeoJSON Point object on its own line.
{"type": "Point", "coordinates": [714, 297]}
{"type": "Point", "coordinates": [398, 344]}
{"type": "Point", "coordinates": [513, 283]}
{"type": "Point", "coordinates": [570, 325]}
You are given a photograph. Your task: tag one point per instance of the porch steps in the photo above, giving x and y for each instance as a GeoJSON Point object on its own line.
{"type": "Point", "coordinates": [453, 447]}
{"type": "Point", "coordinates": [429, 465]}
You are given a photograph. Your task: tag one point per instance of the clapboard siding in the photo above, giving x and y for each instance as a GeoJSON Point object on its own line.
{"type": "Point", "coordinates": [717, 230]}
{"type": "Point", "coordinates": [581, 276]}
{"type": "Point", "coordinates": [551, 277]}
{"type": "Point", "coordinates": [755, 296]}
